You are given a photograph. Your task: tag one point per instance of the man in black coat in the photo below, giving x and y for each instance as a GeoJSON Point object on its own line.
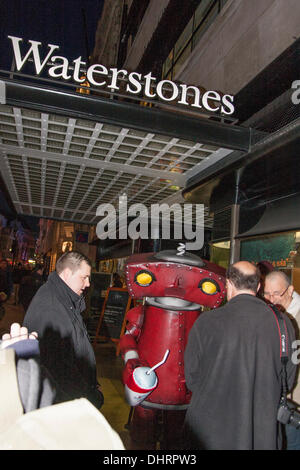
{"type": "Point", "coordinates": [55, 314]}
{"type": "Point", "coordinates": [233, 368]}
{"type": "Point", "coordinates": [30, 284]}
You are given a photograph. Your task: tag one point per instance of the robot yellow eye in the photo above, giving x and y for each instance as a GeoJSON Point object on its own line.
{"type": "Point", "coordinates": [208, 286]}
{"type": "Point", "coordinates": [144, 278]}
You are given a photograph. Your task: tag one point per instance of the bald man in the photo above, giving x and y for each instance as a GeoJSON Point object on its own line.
{"type": "Point", "coordinates": [232, 367]}
{"type": "Point", "coordinates": [279, 290]}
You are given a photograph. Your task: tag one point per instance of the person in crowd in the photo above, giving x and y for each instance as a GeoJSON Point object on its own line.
{"type": "Point", "coordinates": [30, 283]}
{"type": "Point", "coordinates": [28, 392]}
{"type": "Point", "coordinates": [117, 281]}
{"type": "Point", "coordinates": [8, 271]}
{"type": "Point", "coordinates": [8, 274]}
{"type": "Point", "coordinates": [9, 279]}
{"type": "Point", "coordinates": [264, 267]}
{"type": "Point", "coordinates": [17, 274]}
{"type": "Point", "coordinates": [55, 314]}
{"type": "Point", "coordinates": [233, 367]}
{"type": "Point", "coordinates": [36, 387]}
{"type": "Point", "coordinates": [279, 290]}
{"type": "Point", "coordinates": [4, 286]}
{"type": "Point", "coordinates": [18, 333]}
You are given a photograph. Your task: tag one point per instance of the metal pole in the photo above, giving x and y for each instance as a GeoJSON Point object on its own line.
{"type": "Point", "coordinates": [235, 217]}
{"type": "Point", "coordinates": [234, 243]}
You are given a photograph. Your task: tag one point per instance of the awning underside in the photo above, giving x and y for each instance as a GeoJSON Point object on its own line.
{"type": "Point", "coordinates": [57, 165]}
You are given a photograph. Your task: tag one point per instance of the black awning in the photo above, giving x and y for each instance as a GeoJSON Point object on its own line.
{"type": "Point", "coordinates": [115, 112]}
{"type": "Point", "coordinates": [269, 171]}
{"type": "Point", "coordinates": [278, 216]}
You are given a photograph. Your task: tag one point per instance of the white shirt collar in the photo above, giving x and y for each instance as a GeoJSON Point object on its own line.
{"type": "Point", "coordinates": [294, 307]}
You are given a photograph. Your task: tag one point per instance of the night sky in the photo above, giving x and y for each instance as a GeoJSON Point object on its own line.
{"type": "Point", "coordinates": [59, 22]}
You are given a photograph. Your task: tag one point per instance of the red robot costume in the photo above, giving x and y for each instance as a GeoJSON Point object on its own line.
{"type": "Point", "coordinates": [174, 286]}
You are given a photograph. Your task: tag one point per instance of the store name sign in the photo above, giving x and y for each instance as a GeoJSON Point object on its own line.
{"type": "Point", "coordinates": [100, 76]}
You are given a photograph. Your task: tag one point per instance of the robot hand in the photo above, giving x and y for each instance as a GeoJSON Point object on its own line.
{"type": "Point", "coordinates": [140, 383]}
{"type": "Point", "coordinates": [132, 364]}
{"type": "Point", "coordinates": [141, 380]}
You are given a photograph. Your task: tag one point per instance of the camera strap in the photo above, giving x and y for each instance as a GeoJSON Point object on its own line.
{"type": "Point", "coordinates": [283, 335]}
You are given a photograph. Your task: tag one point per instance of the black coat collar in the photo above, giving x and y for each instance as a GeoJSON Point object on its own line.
{"type": "Point", "coordinates": [67, 296]}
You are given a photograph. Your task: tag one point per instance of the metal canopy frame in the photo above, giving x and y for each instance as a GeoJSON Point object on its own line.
{"type": "Point", "coordinates": [63, 154]}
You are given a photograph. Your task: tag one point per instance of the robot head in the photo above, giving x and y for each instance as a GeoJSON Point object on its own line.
{"type": "Point", "coordinates": [175, 281]}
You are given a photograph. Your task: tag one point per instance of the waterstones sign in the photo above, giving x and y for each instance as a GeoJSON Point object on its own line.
{"type": "Point", "coordinates": [59, 67]}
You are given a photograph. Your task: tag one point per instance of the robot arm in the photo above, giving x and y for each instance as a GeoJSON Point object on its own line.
{"type": "Point", "coordinates": [129, 342]}
{"type": "Point", "coordinates": [134, 321]}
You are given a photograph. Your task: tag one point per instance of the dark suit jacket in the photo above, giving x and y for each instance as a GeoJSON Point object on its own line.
{"type": "Point", "coordinates": [233, 368]}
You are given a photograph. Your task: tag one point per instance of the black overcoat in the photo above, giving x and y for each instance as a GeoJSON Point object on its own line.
{"type": "Point", "coordinates": [233, 367]}
{"type": "Point", "coordinates": [65, 348]}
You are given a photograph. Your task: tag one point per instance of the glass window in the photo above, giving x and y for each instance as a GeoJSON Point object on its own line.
{"type": "Point", "coordinates": [202, 10]}
{"type": "Point", "coordinates": [202, 18]}
{"type": "Point", "coordinates": [282, 250]}
{"type": "Point", "coordinates": [206, 22]}
{"type": "Point", "coordinates": [167, 66]}
{"type": "Point", "coordinates": [183, 39]}
{"type": "Point", "coordinates": [183, 57]}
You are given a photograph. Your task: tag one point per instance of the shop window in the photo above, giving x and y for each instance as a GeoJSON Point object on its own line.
{"type": "Point", "coordinates": [279, 249]}
{"type": "Point", "coordinates": [282, 250]}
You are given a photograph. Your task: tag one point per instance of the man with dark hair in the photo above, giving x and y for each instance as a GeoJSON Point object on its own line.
{"type": "Point", "coordinates": [55, 314]}
{"type": "Point", "coordinates": [71, 260]}
{"type": "Point", "coordinates": [233, 368]}
{"type": "Point", "coordinates": [243, 281]}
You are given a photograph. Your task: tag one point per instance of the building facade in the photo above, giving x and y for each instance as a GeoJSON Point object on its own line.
{"type": "Point", "coordinates": [251, 51]}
